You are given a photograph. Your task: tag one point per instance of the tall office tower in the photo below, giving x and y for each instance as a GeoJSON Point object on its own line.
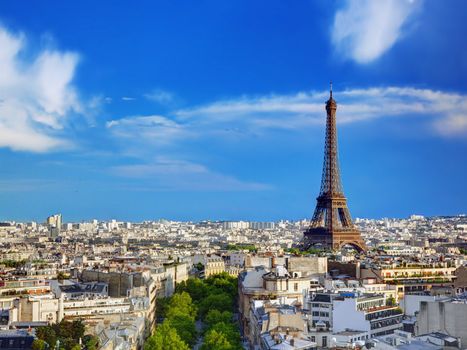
{"type": "Point", "coordinates": [331, 225]}
{"type": "Point", "coordinates": [54, 224]}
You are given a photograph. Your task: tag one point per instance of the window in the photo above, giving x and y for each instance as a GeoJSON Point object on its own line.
{"type": "Point", "coordinates": [325, 341]}
{"type": "Point", "coordinates": [313, 338]}
{"type": "Point", "coordinates": [295, 287]}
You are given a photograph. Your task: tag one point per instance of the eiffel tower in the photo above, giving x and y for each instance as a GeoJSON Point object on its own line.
{"type": "Point", "coordinates": [331, 226]}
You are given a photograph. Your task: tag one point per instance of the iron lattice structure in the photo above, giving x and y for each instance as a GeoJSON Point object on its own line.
{"type": "Point", "coordinates": [331, 225]}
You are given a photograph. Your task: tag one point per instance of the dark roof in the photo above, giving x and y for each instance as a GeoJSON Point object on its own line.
{"type": "Point", "coordinates": [73, 288]}
{"type": "Point", "coordinates": [15, 340]}
{"type": "Point", "coordinates": [323, 298]}
{"type": "Point", "coordinates": [31, 324]}
{"type": "Point", "coordinates": [94, 287]}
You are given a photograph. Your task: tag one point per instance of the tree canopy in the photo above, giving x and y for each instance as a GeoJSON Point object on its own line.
{"type": "Point", "coordinates": [212, 301]}
{"type": "Point", "coordinates": [165, 338]}
{"type": "Point", "coordinates": [67, 333]}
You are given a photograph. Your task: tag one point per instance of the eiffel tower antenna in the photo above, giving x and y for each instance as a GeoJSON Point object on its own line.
{"type": "Point", "coordinates": [331, 225]}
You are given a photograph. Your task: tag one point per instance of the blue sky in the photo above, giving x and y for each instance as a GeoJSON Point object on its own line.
{"type": "Point", "coordinates": [195, 110]}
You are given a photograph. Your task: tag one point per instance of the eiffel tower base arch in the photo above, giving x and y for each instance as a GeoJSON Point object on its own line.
{"type": "Point", "coordinates": [319, 238]}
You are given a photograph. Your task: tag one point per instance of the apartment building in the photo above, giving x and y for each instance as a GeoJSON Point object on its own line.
{"type": "Point", "coordinates": [356, 311]}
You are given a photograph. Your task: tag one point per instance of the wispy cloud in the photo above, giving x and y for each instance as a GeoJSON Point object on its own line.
{"type": "Point", "coordinates": [447, 111]}
{"type": "Point", "coordinates": [154, 129]}
{"type": "Point", "coordinates": [128, 98]}
{"type": "Point", "coordinates": [173, 174]}
{"type": "Point", "coordinates": [240, 120]}
{"type": "Point", "coordinates": [306, 109]}
{"type": "Point", "coordinates": [160, 96]}
{"type": "Point", "coordinates": [36, 94]}
{"type": "Point", "coordinates": [365, 29]}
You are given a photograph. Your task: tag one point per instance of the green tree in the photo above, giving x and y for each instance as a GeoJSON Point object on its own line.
{"type": "Point", "coordinates": [67, 343]}
{"type": "Point", "coordinates": [230, 332]}
{"type": "Point", "coordinates": [165, 338]}
{"type": "Point", "coordinates": [47, 334]}
{"type": "Point", "coordinates": [197, 289]}
{"type": "Point", "coordinates": [13, 263]}
{"type": "Point", "coordinates": [216, 341]}
{"type": "Point", "coordinates": [62, 276]}
{"type": "Point", "coordinates": [185, 327]}
{"type": "Point", "coordinates": [181, 304]}
{"type": "Point", "coordinates": [162, 305]}
{"type": "Point", "coordinates": [39, 344]}
{"type": "Point", "coordinates": [215, 316]}
{"type": "Point", "coordinates": [68, 333]}
{"type": "Point", "coordinates": [221, 302]}
{"type": "Point", "coordinates": [77, 329]}
{"type": "Point", "coordinates": [91, 342]}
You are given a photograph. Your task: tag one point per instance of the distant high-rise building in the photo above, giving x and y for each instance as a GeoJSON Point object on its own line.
{"type": "Point", "coordinates": [232, 225]}
{"type": "Point", "coordinates": [331, 225]}
{"type": "Point", "coordinates": [54, 224]}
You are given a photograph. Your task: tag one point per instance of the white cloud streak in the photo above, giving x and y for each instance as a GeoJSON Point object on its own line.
{"type": "Point", "coordinates": [447, 111]}
{"type": "Point", "coordinates": [155, 129]}
{"type": "Point", "coordinates": [304, 110]}
{"type": "Point", "coordinates": [239, 119]}
{"type": "Point", "coordinates": [365, 29]}
{"type": "Point", "coordinates": [160, 96]}
{"type": "Point", "coordinates": [36, 95]}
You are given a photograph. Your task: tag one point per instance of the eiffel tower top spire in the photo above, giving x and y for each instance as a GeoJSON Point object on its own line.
{"type": "Point", "coordinates": [331, 184]}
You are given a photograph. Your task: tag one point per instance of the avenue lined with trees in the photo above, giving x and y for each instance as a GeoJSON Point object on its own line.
{"type": "Point", "coordinates": [211, 302]}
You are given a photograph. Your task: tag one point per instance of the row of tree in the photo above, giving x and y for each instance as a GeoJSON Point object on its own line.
{"type": "Point", "coordinates": [310, 251]}
{"type": "Point", "coordinates": [178, 330]}
{"type": "Point", "coordinates": [249, 247]}
{"type": "Point", "coordinates": [67, 335]}
{"type": "Point", "coordinates": [211, 301]}
{"type": "Point", "coordinates": [12, 263]}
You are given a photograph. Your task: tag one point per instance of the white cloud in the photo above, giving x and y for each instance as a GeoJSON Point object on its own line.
{"type": "Point", "coordinates": [173, 174]}
{"type": "Point", "coordinates": [127, 98]}
{"type": "Point", "coordinates": [239, 120]}
{"type": "Point", "coordinates": [455, 124]}
{"type": "Point", "coordinates": [364, 29]}
{"type": "Point", "coordinates": [160, 96]}
{"type": "Point", "coordinates": [306, 109]}
{"type": "Point", "coordinates": [154, 129]}
{"type": "Point", "coordinates": [246, 116]}
{"type": "Point", "coordinates": [36, 95]}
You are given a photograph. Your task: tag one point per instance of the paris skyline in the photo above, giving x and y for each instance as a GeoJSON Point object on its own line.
{"type": "Point", "coordinates": [217, 110]}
